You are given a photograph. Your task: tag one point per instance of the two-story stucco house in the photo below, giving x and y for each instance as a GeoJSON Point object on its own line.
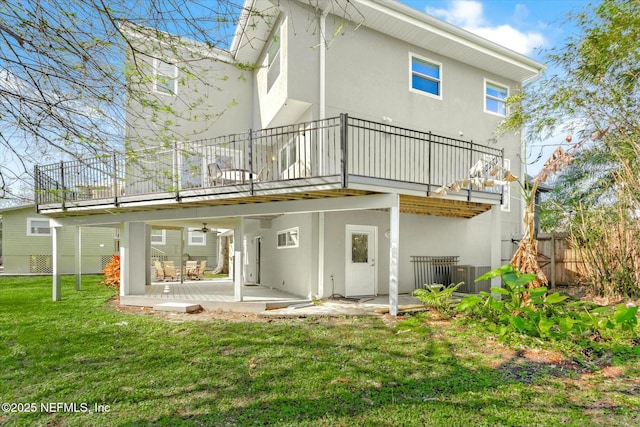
{"type": "Point", "coordinates": [364, 136]}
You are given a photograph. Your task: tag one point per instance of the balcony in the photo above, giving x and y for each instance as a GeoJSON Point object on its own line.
{"type": "Point", "coordinates": [340, 156]}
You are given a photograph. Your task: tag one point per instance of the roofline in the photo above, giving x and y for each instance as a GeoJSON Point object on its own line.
{"type": "Point", "coordinates": [141, 32]}
{"type": "Point", "coordinates": [399, 11]}
{"type": "Point", "coordinates": [455, 30]}
{"type": "Point", "coordinates": [17, 208]}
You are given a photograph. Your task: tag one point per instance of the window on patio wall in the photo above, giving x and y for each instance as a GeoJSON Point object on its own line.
{"type": "Point", "coordinates": [288, 238]}
{"type": "Point", "coordinates": [197, 237]}
{"type": "Point", "coordinates": [158, 237]}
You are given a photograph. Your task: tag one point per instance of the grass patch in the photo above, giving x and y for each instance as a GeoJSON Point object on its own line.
{"type": "Point", "coordinates": [350, 371]}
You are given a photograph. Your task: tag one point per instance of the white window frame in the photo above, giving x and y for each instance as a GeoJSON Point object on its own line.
{"type": "Point", "coordinates": [506, 193]}
{"type": "Point", "coordinates": [289, 240]}
{"type": "Point", "coordinates": [174, 78]}
{"type": "Point", "coordinates": [162, 235]}
{"type": "Point", "coordinates": [411, 73]}
{"type": "Point", "coordinates": [494, 98]}
{"type": "Point", "coordinates": [191, 233]}
{"type": "Point", "coordinates": [30, 227]}
{"type": "Point", "coordinates": [274, 59]}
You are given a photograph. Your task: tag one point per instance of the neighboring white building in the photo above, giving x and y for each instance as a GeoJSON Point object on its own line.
{"type": "Point", "coordinates": [360, 131]}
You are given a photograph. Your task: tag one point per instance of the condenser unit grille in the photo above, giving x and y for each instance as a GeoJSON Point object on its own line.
{"type": "Point", "coordinates": [468, 274]}
{"type": "Point", "coordinates": [432, 270]}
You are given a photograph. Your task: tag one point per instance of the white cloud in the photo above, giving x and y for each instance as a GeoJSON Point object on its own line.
{"type": "Point", "coordinates": [469, 14]}
{"type": "Point", "coordinates": [464, 13]}
{"type": "Point", "coordinates": [512, 38]}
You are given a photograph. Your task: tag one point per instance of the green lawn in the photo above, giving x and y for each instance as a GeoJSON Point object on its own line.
{"type": "Point", "coordinates": [151, 370]}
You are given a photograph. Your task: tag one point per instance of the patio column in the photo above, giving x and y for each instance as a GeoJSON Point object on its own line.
{"type": "Point", "coordinates": [238, 261]}
{"type": "Point", "coordinates": [56, 259]}
{"type": "Point", "coordinates": [78, 256]}
{"type": "Point", "coordinates": [394, 253]}
{"type": "Point", "coordinates": [132, 258]}
{"type": "Point", "coordinates": [184, 232]}
{"type": "Point", "coordinates": [496, 243]}
{"type": "Point", "coordinates": [320, 288]}
{"type": "Point", "coordinates": [147, 248]}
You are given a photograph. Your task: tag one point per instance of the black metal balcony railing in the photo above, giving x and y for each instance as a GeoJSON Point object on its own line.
{"type": "Point", "coordinates": [333, 150]}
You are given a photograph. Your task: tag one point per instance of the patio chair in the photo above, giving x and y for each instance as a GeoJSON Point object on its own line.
{"type": "Point", "coordinates": [263, 175]}
{"type": "Point", "coordinates": [159, 271]}
{"type": "Point", "coordinates": [191, 269]}
{"type": "Point", "coordinates": [170, 272]}
{"type": "Point", "coordinates": [215, 174]}
{"type": "Point", "coordinates": [200, 270]}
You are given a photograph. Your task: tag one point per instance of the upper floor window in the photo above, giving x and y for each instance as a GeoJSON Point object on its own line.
{"type": "Point", "coordinates": [273, 58]}
{"type": "Point", "coordinates": [495, 96]}
{"type": "Point", "coordinates": [165, 78]}
{"type": "Point", "coordinates": [38, 227]}
{"type": "Point", "coordinates": [426, 76]}
{"type": "Point", "coordinates": [158, 237]}
{"type": "Point", "coordinates": [197, 237]}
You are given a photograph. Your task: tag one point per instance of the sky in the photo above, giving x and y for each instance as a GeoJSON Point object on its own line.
{"type": "Point", "coordinates": [525, 26]}
{"type": "Point", "coordinates": [522, 25]}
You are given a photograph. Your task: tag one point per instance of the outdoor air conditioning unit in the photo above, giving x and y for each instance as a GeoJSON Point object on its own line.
{"type": "Point", "coordinates": [468, 275]}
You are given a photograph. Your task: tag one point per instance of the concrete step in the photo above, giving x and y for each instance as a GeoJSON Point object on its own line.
{"type": "Point", "coordinates": [179, 307]}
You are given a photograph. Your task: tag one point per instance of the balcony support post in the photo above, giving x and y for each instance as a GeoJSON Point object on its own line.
{"type": "Point", "coordinates": [238, 261]}
{"type": "Point", "coordinates": [394, 254]}
{"type": "Point", "coordinates": [133, 259]}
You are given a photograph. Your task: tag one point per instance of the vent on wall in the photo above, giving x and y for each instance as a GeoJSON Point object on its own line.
{"type": "Point", "coordinates": [40, 264]}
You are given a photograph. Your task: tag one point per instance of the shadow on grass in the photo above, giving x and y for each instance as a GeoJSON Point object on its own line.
{"type": "Point", "coordinates": [444, 391]}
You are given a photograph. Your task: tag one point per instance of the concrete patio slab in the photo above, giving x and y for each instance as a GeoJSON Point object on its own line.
{"type": "Point", "coordinates": [215, 294]}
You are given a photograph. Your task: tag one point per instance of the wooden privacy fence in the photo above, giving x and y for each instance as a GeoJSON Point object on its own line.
{"type": "Point", "coordinates": [566, 268]}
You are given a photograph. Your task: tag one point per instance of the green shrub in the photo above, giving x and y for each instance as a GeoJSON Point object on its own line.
{"type": "Point", "coordinates": [438, 297]}
{"type": "Point", "coordinates": [516, 309]}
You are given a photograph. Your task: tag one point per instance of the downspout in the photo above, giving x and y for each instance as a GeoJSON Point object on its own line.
{"type": "Point", "coordinates": [322, 114]}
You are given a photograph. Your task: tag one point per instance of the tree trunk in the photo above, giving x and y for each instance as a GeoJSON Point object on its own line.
{"type": "Point", "coordinates": [526, 257]}
{"type": "Point", "coordinates": [223, 256]}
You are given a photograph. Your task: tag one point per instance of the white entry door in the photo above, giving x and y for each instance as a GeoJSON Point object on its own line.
{"type": "Point", "coordinates": [361, 263]}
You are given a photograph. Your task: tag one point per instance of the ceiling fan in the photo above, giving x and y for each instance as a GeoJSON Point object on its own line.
{"type": "Point", "coordinates": [204, 228]}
